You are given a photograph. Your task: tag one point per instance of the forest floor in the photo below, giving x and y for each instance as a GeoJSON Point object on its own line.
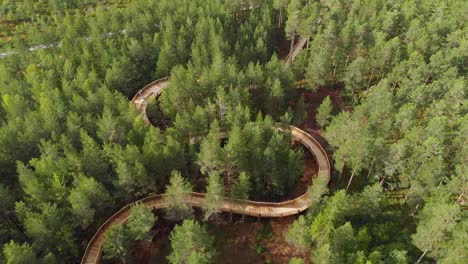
{"type": "Point", "coordinates": [237, 242]}
{"type": "Point", "coordinates": [255, 242]}
{"type": "Point", "coordinates": [314, 99]}
{"type": "Point", "coordinates": [310, 171]}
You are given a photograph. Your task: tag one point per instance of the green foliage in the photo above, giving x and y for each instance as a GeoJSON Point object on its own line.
{"type": "Point", "coordinates": [177, 193]}
{"type": "Point", "coordinates": [72, 148]}
{"type": "Point", "coordinates": [116, 242]}
{"type": "Point", "coordinates": [264, 232]}
{"type": "Point", "coordinates": [119, 238]}
{"type": "Point", "coordinates": [350, 229]}
{"type": "Point", "coordinates": [280, 168]}
{"type": "Point", "coordinates": [318, 187]}
{"type": "Point", "coordinates": [49, 226]}
{"type": "Point", "coordinates": [242, 187]}
{"type": "Point", "coordinates": [297, 233]}
{"type": "Point", "coordinates": [324, 112]}
{"type": "Point", "coordinates": [19, 254]}
{"type": "Point", "coordinates": [292, 24]}
{"type": "Point", "coordinates": [296, 261]}
{"type": "Point", "coordinates": [214, 194]}
{"type": "Point", "coordinates": [322, 254]}
{"type": "Point", "coordinates": [86, 195]}
{"type": "Point", "coordinates": [287, 118]}
{"type": "Point", "coordinates": [191, 243]}
{"type": "Point", "coordinates": [211, 151]}
{"type": "Point", "coordinates": [439, 221]}
{"type": "Point", "coordinates": [256, 35]}
{"type": "Point", "coordinates": [301, 114]}
{"type": "Point", "coordinates": [259, 248]}
{"type": "Point", "coordinates": [140, 222]}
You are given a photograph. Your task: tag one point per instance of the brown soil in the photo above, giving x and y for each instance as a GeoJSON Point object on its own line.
{"type": "Point", "coordinates": [310, 171]}
{"type": "Point", "coordinates": [154, 251]}
{"type": "Point", "coordinates": [279, 251]}
{"type": "Point", "coordinates": [239, 242]}
{"type": "Point", "coordinates": [283, 46]}
{"type": "Point", "coordinates": [314, 99]}
{"type": "Point", "coordinates": [236, 242]}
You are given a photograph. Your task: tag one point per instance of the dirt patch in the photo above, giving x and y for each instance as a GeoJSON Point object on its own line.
{"type": "Point", "coordinates": [283, 45]}
{"type": "Point", "coordinates": [256, 242]}
{"type": "Point", "coordinates": [314, 99]}
{"type": "Point", "coordinates": [156, 250]}
{"type": "Point", "coordinates": [248, 241]}
{"type": "Point", "coordinates": [310, 171]}
{"type": "Point", "coordinates": [279, 251]}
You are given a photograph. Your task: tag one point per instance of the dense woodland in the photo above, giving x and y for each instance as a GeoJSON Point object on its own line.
{"type": "Point", "coordinates": [73, 150]}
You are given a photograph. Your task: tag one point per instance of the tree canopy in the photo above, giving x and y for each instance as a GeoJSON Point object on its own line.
{"type": "Point", "coordinates": [73, 149]}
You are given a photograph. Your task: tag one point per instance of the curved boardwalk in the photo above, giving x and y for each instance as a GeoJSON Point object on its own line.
{"type": "Point", "coordinates": [153, 89]}
{"type": "Point", "coordinates": [252, 208]}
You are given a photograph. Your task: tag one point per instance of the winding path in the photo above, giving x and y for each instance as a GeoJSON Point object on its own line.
{"type": "Point", "coordinates": [93, 251]}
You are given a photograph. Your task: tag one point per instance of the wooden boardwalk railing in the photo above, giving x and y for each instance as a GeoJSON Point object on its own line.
{"type": "Point", "coordinates": [153, 89]}
{"type": "Point", "coordinates": [93, 251]}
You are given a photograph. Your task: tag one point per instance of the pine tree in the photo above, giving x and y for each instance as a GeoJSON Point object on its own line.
{"type": "Point", "coordinates": [86, 198]}
{"type": "Point", "coordinates": [297, 234]}
{"type": "Point", "coordinates": [292, 24]}
{"type": "Point", "coordinates": [210, 155]}
{"type": "Point", "coordinates": [176, 196]}
{"type": "Point", "coordinates": [132, 176]}
{"type": "Point", "coordinates": [191, 243]}
{"type": "Point", "coordinates": [280, 5]}
{"type": "Point", "coordinates": [49, 226]}
{"type": "Point", "coordinates": [140, 222]}
{"type": "Point", "coordinates": [318, 70]}
{"type": "Point", "coordinates": [322, 255]}
{"type": "Point", "coordinates": [153, 156]}
{"type": "Point", "coordinates": [276, 154]}
{"type": "Point", "coordinates": [437, 222]}
{"type": "Point", "coordinates": [116, 242]}
{"type": "Point", "coordinates": [235, 153]}
{"type": "Point", "coordinates": [301, 114]}
{"type": "Point", "coordinates": [287, 117]}
{"type": "Point", "coordinates": [214, 195]}
{"type": "Point", "coordinates": [276, 98]}
{"type": "Point", "coordinates": [342, 242]}
{"type": "Point", "coordinates": [167, 56]}
{"type": "Point", "coordinates": [324, 112]}
{"type": "Point", "coordinates": [92, 159]}
{"type": "Point", "coordinates": [318, 187]}
{"type": "Point", "coordinates": [241, 190]}
{"type": "Point", "coordinates": [19, 254]}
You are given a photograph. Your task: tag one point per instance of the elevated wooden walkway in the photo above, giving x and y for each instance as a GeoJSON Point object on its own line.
{"type": "Point", "coordinates": [93, 251]}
